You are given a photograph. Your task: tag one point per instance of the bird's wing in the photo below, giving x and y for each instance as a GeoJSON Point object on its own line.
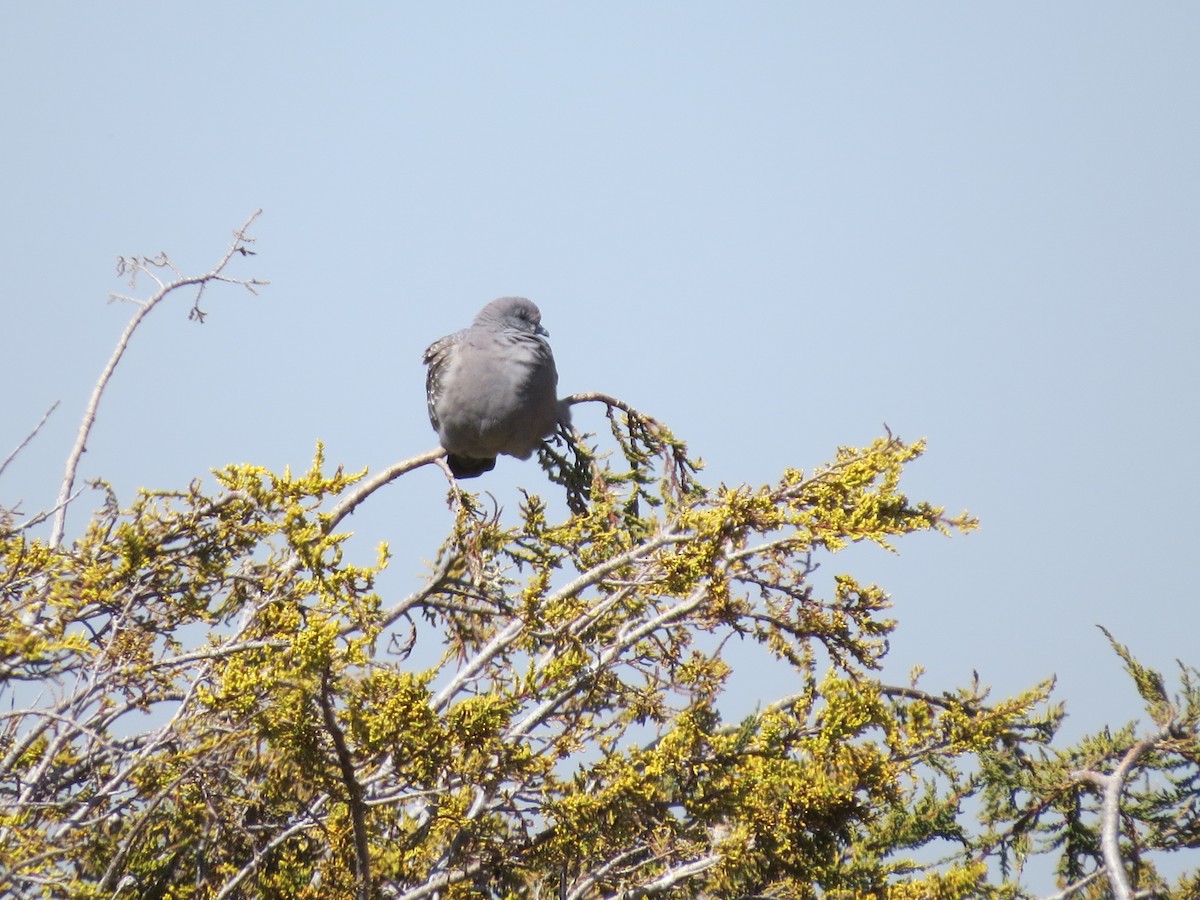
{"type": "Point", "coordinates": [437, 358]}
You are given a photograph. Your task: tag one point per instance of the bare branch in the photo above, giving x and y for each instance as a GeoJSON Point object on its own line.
{"type": "Point", "coordinates": [43, 516]}
{"type": "Point", "coordinates": [89, 417]}
{"type": "Point", "coordinates": [354, 794]}
{"type": "Point", "coordinates": [438, 883]}
{"type": "Point", "coordinates": [1072, 889]}
{"type": "Point", "coordinates": [672, 877]}
{"type": "Point", "coordinates": [1112, 786]}
{"type": "Point", "coordinates": [230, 888]}
{"type": "Point", "coordinates": [29, 437]}
{"type": "Point", "coordinates": [585, 885]}
{"type": "Point", "coordinates": [606, 399]}
{"type": "Point", "coordinates": [360, 493]}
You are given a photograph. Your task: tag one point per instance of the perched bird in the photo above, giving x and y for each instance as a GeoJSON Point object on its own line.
{"type": "Point", "coordinates": [492, 388]}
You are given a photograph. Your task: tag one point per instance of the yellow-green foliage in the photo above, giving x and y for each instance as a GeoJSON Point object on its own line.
{"type": "Point", "coordinates": [205, 696]}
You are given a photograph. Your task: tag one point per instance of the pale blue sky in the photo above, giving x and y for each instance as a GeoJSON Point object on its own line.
{"type": "Point", "coordinates": [775, 226]}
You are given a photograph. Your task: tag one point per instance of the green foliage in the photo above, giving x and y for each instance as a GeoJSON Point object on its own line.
{"type": "Point", "coordinates": [206, 697]}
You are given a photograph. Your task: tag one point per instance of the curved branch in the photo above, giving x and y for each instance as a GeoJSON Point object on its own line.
{"type": "Point", "coordinates": [1112, 786]}
{"type": "Point", "coordinates": [351, 501]}
{"type": "Point", "coordinates": [89, 415]}
{"type": "Point", "coordinates": [1072, 889]}
{"type": "Point", "coordinates": [607, 399]}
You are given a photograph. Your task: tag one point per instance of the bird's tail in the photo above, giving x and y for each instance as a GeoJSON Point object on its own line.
{"type": "Point", "coordinates": [469, 467]}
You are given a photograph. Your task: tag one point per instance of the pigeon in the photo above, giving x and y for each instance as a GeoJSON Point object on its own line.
{"type": "Point", "coordinates": [492, 388]}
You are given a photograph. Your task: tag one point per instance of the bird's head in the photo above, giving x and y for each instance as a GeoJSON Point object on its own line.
{"type": "Point", "coordinates": [516, 313]}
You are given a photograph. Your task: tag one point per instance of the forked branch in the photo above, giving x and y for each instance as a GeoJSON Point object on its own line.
{"type": "Point", "coordinates": [239, 245]}
{"type": "Point", "coordinates": [1111, 787]}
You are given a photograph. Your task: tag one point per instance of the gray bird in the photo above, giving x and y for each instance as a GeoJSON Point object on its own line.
{"type": "Point", "coordinates": [492, 388]}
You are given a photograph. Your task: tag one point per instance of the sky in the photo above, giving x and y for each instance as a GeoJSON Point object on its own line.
{"type": "Point", "coordinates": [778, 227]}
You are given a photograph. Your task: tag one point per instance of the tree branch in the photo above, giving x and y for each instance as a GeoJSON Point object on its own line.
{"type": "Point", "coordinates": [672, 877]}
{"type": "Point", "coordinates": [29, 437]}
{"type": "Point", "coordinates": [1072, 889]}
{"type": "Point", "coordinates": [354, 795]}
{"type": "Point", "coordinates": [89, 416]}
{"type": "Point", "coordinates": [230, 887]}
{"type": "Point", "coordinates": [1112, 786]}
{"type": "Point", "coordinates": [360, 493]}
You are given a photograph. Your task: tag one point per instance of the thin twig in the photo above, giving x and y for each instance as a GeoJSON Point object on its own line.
{"type": "Point", "coordinates": [1072, 889]}
{"type": "Point", "coordinates": [43, 516]}
{"type": "Point", "coordinates": [89, 415]}
{"type": "Point", "coordinates": [29, 437]}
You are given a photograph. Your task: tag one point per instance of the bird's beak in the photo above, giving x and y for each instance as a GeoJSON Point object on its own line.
{"type": "Point", "coordinates": [542, 331]}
